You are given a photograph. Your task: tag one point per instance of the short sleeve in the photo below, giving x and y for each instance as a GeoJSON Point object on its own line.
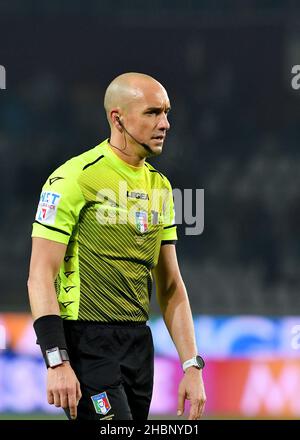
{"type": "Point", "coordinates": [169, 233]}
{"type": "Point", "coordinates": [61, 201]}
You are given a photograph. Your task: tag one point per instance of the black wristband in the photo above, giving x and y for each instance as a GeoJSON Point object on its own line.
{"type": "Point", "coordinates": [50, 333]}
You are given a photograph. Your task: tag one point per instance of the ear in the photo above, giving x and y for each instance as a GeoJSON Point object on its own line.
{"type": "Point", "coordinates": [115, 117]}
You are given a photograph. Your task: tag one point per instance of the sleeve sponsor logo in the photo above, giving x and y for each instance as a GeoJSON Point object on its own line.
{"type": "Point", "coordinates": [47, 208]}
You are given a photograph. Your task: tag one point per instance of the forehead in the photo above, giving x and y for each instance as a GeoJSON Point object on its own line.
{"type": "Point", "coordinates": [151, 95]}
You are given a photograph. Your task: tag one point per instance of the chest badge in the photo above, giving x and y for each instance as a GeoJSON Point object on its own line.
{"type": "Point", "coordinates": [141, 221]}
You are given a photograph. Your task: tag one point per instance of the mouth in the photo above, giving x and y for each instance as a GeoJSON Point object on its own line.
{"type": "Point", "coordinates": [160, 137]}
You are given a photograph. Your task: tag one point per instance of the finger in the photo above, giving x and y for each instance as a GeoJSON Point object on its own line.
{"type": "Point", "coordinates": [50, 397]}
{"type": "Point", "coordinates": [64, 399]}
{"type": "Point", "coordinates": [194, 410]}
{"type": "Point", "coordinates": [200, 410]}
{"type": "Point", "coordinates": [78, 392]}
{"type": "Point", "coordinates": [56, 399]}
{"type": "Point", "coordinates": [72, 404]}
{"type": "Point", "coordinates": [202, 407]}
{"type": "Point", "coordinates": [180, 405]}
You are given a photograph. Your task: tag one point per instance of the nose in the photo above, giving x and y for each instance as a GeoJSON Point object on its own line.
{"type": "Point", "coordinates": [164, 124]}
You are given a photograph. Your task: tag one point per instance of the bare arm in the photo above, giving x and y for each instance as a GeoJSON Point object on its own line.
{"type": "Point", "coordinates": [46, 258]}
{"type": "Point", "coordinates": [63, 388]}
{"type": "Point", "coordinates": [174, 304]}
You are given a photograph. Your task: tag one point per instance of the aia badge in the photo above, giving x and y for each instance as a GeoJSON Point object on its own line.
{"type": "Point", "coordinates": [101, 403]}
{"type": "Point", "coordinates": [141, 221]}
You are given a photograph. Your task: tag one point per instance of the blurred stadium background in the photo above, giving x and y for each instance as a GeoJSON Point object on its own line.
{"type": "Point", "coordinates": [235, 132]}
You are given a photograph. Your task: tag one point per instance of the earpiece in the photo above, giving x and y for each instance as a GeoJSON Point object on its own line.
{"type": "Point", "coordinates": [124, 128]}
{"type": "Point", "coordinates": [119, 124]}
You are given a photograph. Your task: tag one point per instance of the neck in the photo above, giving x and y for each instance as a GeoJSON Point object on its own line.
{"type": "Point", "coordinates": [126, 151]}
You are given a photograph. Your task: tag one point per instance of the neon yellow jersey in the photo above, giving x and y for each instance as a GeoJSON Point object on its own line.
{"type": "Point", "coordinates": [113, 217]}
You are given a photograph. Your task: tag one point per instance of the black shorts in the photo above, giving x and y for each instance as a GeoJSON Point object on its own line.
{"type": "Point", "coordinates": [114, 364]}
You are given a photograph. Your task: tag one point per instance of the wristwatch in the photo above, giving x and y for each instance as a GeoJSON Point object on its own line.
{"type": "Point", "coordinates": [197, 361]}
{"type": "Point", "coordinates": [55, 357]}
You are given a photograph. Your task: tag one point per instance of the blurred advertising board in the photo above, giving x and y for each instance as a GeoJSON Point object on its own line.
{"type": "Point", "coordinates": [252, 366]}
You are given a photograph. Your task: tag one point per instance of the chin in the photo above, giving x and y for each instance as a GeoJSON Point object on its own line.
{"type": "Point", "coordinates": [154, 152]}
{"type": "Point", "coordinates": [156, 149]}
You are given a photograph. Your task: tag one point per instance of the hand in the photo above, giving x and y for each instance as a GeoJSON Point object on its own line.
{"type": "Point", "coordinates": [191, 388]}
{"type": "Point", "coordinates": [63, 388]}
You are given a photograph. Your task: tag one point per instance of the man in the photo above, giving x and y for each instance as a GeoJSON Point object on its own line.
{"type": "Point", "coordinates": [104, 224]}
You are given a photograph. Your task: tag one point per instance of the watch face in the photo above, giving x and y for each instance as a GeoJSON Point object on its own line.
{"type": "Point", "coordinates": [200, 361]}
{"type": "Point", "coordinates": [54, 357]}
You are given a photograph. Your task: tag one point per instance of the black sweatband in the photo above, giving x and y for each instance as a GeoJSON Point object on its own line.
{"type": "Point", "coordinates": [50, 333]}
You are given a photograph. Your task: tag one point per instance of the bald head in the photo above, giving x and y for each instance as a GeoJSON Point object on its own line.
{"type": "Point", "coordinates": [137, 108]}
{"type": "Point", "coordinates": [127, 89]}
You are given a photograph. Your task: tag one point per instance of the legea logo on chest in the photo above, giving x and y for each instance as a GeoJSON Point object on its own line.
{"type": "Point", "coordinates": [135, 206]}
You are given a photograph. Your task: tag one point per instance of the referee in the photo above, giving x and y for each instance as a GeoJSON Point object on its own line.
{"type": "Point", "coordinates": [104, 226]}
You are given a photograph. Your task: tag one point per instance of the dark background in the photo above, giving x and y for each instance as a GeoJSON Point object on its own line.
{"type": "Point", "coordinates": [235, 126]}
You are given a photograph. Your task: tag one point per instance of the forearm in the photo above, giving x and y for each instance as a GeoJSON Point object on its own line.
{"type": "Point", "coordinates": [42, 295]}
{"type": "Point", "coordinates": [177, 315]}
{"type": "Point", "coordinates": [46, 259]}
{"type": "Point", "coordinates": [63, 388]}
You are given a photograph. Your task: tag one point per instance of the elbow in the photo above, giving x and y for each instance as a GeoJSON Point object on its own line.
{"type": "Point", "coordinates": [175, 287]}
{"type": "Point", "coordinates": [34, 282]}
{"type": "Point", "coordinates": [174, 293]}
{"type": "Point", "coordinates": [40, 276]}
{"type": "Point", "coordinates": [31, 283]}
{"type": "Point", "coordinates": [167, 292]}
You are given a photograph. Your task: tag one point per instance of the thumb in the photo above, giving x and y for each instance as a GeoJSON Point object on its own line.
{"type": "Point", "coordinates": [180, 405]}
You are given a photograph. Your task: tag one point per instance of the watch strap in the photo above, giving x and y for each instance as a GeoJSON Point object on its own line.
{"type": "Point", "coordinates": [193, 362]}
{"type": "Point", "coordinates": [64, 355]}
{"type": "Point", "coordinates": [55, 357]}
